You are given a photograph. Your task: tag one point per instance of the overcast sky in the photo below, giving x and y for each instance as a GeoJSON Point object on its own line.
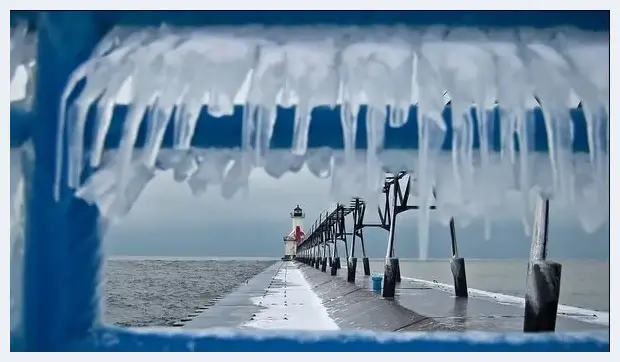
{"type": "Point", "coordinates": [168, 220]}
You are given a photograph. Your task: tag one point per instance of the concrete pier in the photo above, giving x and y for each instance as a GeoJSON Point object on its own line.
{"type": "Point", "coordinates": [278, 298]}
{"type": "Point", "coordinates": [477, 312]}
{"type": "Point", "coordinates": [290, 295]}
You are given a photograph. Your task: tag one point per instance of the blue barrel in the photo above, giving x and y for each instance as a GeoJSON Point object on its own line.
{"type": "Point", "coordinates": [376, 282]}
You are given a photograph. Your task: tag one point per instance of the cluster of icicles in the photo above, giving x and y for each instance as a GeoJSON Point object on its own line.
{"type": "Point", "coordinates": [158, 70]}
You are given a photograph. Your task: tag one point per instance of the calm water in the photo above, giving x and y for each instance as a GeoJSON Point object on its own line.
{"type": "Point", "coordinates": [159, 292]}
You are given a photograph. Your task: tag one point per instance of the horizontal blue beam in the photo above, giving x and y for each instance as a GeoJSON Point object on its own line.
{"type": "Point", "coordinates": [596, 20]}
{"type": "Point", "coordinates": [325, 130]}
{"type": "Point", "coordinates": [116, 339]}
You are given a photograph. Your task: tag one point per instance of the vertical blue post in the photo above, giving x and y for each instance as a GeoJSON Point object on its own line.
{"type": "Point", "coordinates": [62, 242]}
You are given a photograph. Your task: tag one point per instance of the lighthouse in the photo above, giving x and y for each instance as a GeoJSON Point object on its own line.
{"type": "Point", "coordinates": [296, 235]}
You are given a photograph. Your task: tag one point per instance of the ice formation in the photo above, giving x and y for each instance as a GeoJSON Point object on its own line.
{"type": "Point", "coordinates": [17, 234]}
{"type": "Point", "coordinates": [169, 74]}
{"type": "Point", "coordinates": [23, 54]}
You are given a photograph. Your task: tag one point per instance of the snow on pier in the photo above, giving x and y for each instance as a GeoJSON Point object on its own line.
{"type": "Point", "coordinates": [291, 304]}
{"type": "Point", "coordinates": [278, 298]}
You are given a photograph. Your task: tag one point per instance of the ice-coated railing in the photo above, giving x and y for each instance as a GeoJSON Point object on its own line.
{"type": "Point", "coordinates": [61, 294]}
{"type": "Point", "coordinates": [494, 81]}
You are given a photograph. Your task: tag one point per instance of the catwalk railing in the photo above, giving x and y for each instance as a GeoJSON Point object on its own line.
{"type": "Point", "coordinates": [59, 305]}
{"type": "Point", "coordinates": [320, 249]}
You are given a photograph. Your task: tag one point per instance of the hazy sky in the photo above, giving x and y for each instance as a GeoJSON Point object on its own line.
{"type": "Point", "coordinates": [168, 220]}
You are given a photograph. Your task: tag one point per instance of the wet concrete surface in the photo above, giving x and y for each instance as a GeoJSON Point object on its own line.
{"type": "Point", "coordinates": [350, 306]}
{"type": "Point", "coordinates": [353, 306]}
{"type": "Point", "coordinates": [473, 313]}
{"type": "Point", "coordinates": [236, 308]}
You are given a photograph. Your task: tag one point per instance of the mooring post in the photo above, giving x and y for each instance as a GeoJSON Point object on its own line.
{"type": "Point", "coordinates": [457, 266]}
{"type": "Point", "coordinates": [542, 290]}
{"type": "Point", "coordinates": [391, 263]}
{"type": "Point", "coordinates": [365, 260]}
{"type": "Point", "coordinates": [397, 266]}
{"type": "Point", "coordinates": [63, 238]}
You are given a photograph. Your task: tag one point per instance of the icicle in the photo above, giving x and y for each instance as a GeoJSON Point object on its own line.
{"type": "Point", "coordinates": [210, 169]}
{"type": "Point", "coordinates": [588, 57]}
{"type": "Point", "coordinates": [190, 104]}
{"type": "Point", "coordinates": [147, 87]}
{"type": "Point", "coordinates": [560, 138]}
{"type": "Point", "coordinates": [402, 88]}
{"type": "Point", "coordinates": [548, 71]}
{"type": "Point", "coordinates": [526, 132]}
{"type": "Point", "coordinates": [308, 67]}
{"type": "Point", "coordinates": [97, 83]}
{"type": "Point", "coordinates": [277, 163]}
{"type": "Point", "coordinates": [235, 179]}
{"type": "Point", "coordinates": [301, 127]}
{"type": "Point", "coordinates": [591, 211]}
{"type": "Point", "coordinates": [248, 129]}
{"type": "Point", "coordinates": [375, 134]}
{"type": "Point", "coordinates": [115, 82]}
{"type": "Point", "coordinates": [184, 169]}
{"type": "Point", "coordinates": [485, 131]}
{"type": "Point", "coordinates": [140, 177]}
{"type": "Point", "coordinates": [161, 113]}
{"type": "Point", "coordinates": [266, 121]}
{"type": "Point", "coordinates": [105, 112]}
{"type": "Point", "coordinates": [348, 121]}
{"type": "Point", "coordinates": [431, 133]}
{"type": "Point", "coordinates": [319, 162]}
{"type": "Point", "coordinates": [229, 59]}
{"type": "Point", "coordinates": [266, 81]}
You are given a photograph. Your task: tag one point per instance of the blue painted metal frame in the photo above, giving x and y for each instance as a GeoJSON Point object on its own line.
{"type": "Point", "coordinates": [62, 241]}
